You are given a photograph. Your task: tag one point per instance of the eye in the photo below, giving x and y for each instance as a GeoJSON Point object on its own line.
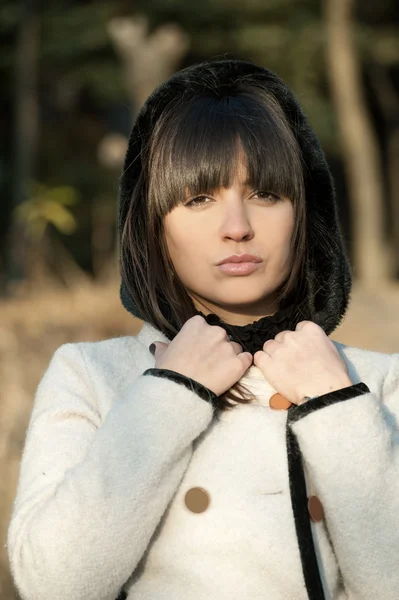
{"type": "Point", "coordinates": [197, 201]}
{"type": "Point", "coordinates": [263, 195]}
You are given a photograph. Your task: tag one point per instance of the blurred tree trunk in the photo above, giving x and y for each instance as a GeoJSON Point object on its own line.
{"type": "Point", "coordinates": [372, 258]}
{"type": "Point", "coordinates": [148, 59]}
{"type": "Point", "coordinates": [388, 99]}
{"type": "Point", "coordinates": [26, 134]}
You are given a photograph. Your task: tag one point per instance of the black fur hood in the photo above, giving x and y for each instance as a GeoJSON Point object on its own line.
{"type": "Point", "coordinates": [328, 277]}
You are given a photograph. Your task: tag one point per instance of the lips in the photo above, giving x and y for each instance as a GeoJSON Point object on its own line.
{"type": "Point", "coordinates": [241, 258]}
{"type": "Point", "coordinates": [239, 268]}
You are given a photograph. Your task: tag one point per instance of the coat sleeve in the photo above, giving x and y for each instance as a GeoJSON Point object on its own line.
{"type": "Point", "coordinates": [350, 449]}
{"type": "Point", "coordinates": [91, 492]}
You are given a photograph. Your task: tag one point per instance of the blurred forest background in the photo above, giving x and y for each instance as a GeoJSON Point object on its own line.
{"type": "Point", "coordinates": [74, 74]}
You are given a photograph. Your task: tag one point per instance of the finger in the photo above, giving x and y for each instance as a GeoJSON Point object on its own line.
{"type": "Point", "coordinates": [280, 337]}
{"type": "Point", "coordinates": [236, 347]}
{"type": "Point", "coordinates": [261, 360]}
{"type": "Point", "coordinates": [270, 346]}
{"type": "Point", "coordinates": [246, 359]}
{"type": "Point", "coordinates": [302, 324]}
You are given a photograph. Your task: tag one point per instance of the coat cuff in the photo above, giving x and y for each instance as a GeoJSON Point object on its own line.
{"type": "Point", "coordinates": [353, 391]}
{"type": "Point", "coordinates": [194, 386]}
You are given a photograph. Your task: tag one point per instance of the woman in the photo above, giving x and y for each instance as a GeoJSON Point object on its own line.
{"type": "Point", "coordinates": [231, 450]}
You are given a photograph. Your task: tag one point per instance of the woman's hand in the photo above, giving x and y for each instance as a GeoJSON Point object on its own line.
{"type": "Point", "coordinates": [302, 363]}
{"type": "Point", "coordinates": [204, 353]}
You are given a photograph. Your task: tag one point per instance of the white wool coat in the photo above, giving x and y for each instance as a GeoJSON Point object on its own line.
{"type": "Point", "coordinates": [110, 455]}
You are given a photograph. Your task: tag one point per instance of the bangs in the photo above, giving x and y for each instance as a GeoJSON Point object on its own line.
{"type": "Point", "coordinates": [197, 146]}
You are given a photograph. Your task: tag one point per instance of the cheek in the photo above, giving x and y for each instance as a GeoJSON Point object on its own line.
{"type": "Point", "coordinates": [183, 243]}
{"type": "Point", "coordinates": [281, 229]}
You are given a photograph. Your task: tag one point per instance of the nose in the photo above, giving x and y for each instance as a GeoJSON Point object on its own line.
{"type": "Point", "coordinates": [236, 224]}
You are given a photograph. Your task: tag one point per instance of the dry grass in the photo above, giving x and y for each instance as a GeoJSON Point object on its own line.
{"type": "Point", "coordinates": [32, 328]}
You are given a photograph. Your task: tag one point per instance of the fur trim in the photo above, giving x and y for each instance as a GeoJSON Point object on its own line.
{"type": "Point", "coordinates": [352, 391]}
{"type": "Point", "coordinates": [202, 391]}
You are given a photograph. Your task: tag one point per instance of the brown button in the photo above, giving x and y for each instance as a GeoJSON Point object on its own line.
{"type": "Point", "coordinates": [315, 508]}
{"type": "Point", "coordinates": [279, 402]}
{"type": "Point", "coordinates": [197, 499]}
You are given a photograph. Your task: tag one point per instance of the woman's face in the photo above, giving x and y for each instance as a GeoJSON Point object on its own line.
{"type": "Point", "coordinates": [232, 221]}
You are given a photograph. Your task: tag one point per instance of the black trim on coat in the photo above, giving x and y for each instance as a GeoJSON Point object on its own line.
{"type": "Point", "coordinates": [199, 389]}
{"type": "Point", "coordinates": [299, 502]}
{"type": "Point", "coordinates": [297, 482]}
{"type": "Point", "coordinates": [347, 393]}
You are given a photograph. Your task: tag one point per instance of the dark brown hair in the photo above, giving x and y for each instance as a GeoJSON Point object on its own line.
{"type": "Point", "coordinates": [195, 145]}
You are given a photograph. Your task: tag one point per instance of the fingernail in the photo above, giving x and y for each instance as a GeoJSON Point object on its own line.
{"type": "Point", "coordinates": [152, 349]}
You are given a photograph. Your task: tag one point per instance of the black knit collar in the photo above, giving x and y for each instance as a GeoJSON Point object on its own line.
{"type": "Point", "coordinates": [254, 335]}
